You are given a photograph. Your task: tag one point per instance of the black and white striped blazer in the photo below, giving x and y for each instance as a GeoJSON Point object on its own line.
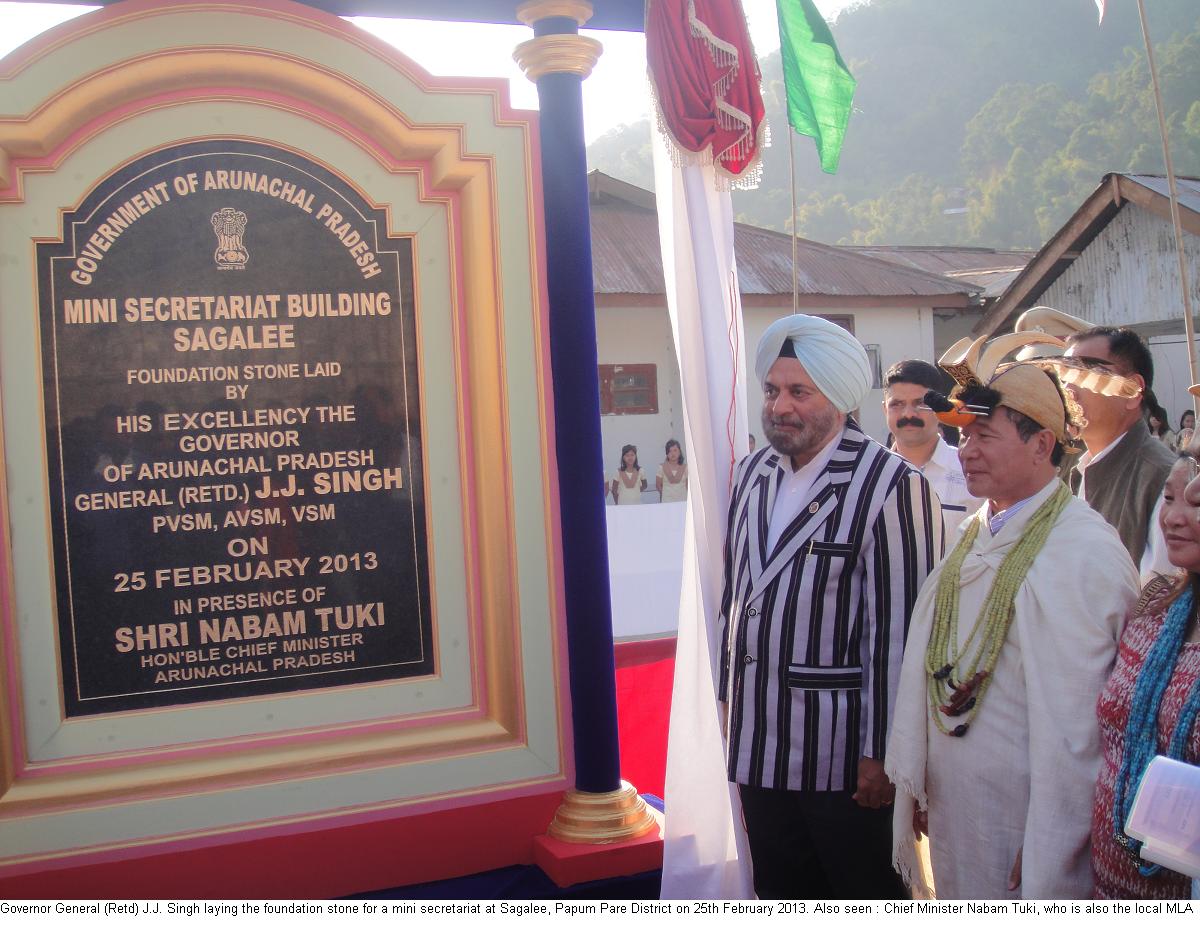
{"type": "Point", "coordinates": [814, 630]}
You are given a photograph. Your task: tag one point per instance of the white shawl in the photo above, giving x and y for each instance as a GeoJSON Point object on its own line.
{"type": "Point", "coordinates": [1035, 740]}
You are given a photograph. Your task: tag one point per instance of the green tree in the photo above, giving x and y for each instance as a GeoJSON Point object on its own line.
{"type": "Point", "coordinates": [1038, 119]}
{"type": "Point", "coordinates": [827, 219]}
{"type": "Point", "coordinates": [913, 213]}
{"type": "Point", "coordinates": [1024, 105]}
{"type": "Point", "coordinates": [1004, 207]}
{"type": "Point", "coordinates": [625, 153]}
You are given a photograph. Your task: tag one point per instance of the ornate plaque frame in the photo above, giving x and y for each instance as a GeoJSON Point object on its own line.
{"type": "Point", "coordinates": [455, 171]}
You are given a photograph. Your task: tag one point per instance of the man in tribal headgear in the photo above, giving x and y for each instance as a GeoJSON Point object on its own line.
{"type": "Point", "coordinates": [995, 746]}
{"type": "Point", "coordinates": [828, 541]}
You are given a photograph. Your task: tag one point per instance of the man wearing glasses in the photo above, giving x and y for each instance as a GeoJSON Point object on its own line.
{"type": "Point", "coordinates": [1121, 475]}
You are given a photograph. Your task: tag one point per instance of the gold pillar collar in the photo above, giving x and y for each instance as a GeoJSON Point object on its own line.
{"type": "Point", "coordinates": [602, 818]}
{"type": "Point", "coordinates": [531, 11]}
{"type": "Point", "coordinates": [557, 54]}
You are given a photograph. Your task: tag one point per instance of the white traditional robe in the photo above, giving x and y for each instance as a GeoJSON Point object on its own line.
{"type": "Point", "coordinates": [1024, 774]}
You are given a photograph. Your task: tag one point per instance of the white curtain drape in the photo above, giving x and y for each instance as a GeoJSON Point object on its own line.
{"type": "Point", "coordinates": [706, 856]}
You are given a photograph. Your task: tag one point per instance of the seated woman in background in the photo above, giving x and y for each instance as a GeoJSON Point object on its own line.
{"type": "Point", "coordinates": [1151, 703]}
{"type": "Point", "coordinates": [628, 481]}
{"type": "Point", "coordinates": [672, 475]}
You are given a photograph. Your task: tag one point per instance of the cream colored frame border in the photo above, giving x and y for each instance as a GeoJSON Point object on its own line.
{"type": "Point", "coordinates": [153, 82]}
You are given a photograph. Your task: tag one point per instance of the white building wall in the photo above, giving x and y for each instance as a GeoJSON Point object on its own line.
{"type": "Point", "coordinates": [1172, 374]}
{"type": "Point", "coordinates": [951, 325]}
{"type": "Point", "coordinates": [640, 335]}
{"type": "Point", "coordinates": [1129, 274]}
{"type": "Point", "coordinates": [900, 332]}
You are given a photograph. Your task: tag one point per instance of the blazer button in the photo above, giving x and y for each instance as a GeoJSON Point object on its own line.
{"type": "Point", "coordinates": [748, 659]}
{"type": "Point", "coordinates": [752, 611]}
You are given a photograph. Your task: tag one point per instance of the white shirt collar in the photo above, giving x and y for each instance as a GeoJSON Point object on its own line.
{"type": "Point", "coordinates": [1090, 457]}
{"type": "Point", "coordinates": [944, 457]}
{"type": "Point", "coordinates": [796, 487]}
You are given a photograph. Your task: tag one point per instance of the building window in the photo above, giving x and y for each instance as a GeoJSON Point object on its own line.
{"type": "Point", "coordinates": [874, 355]}
{"type": "Point", "coordinates": [846, 322]}
{"type": "Point", "coordinates": [628, 389]}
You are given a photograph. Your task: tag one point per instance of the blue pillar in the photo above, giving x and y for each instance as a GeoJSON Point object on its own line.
{"type": "Point", "coordinates": [557, 60]}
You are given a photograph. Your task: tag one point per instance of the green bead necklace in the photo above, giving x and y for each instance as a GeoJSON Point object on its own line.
{"type": "Point", "coordinates": [959, 676]}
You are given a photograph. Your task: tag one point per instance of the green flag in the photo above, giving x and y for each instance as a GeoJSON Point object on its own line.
{"type": "Point", "coordinates": [820, 88]}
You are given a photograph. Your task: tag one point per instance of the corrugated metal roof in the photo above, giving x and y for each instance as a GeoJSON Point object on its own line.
{"type": "Point", "coordinates": [626, 256]}
{"type": "Point", "coordinates": [625, 251]}
{"type": "Point", "coordinates": [994, 280]}
{"type": "Point", "coordinates": [765, 266]}
{"type": "Point", "coordinates": [946, 259]}
{"type": "Point", "coordinates": [1114, 194]}
{"type": "Point", "coordinates": [1187, 187]}
{"type": "Point", "coordinates": [1128, 275]}
{"type": "Point", "coordinates": [988, 268]}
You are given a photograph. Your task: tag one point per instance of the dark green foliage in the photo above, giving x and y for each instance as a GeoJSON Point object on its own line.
{"type": "Point", "coordinates": [1013, 110]}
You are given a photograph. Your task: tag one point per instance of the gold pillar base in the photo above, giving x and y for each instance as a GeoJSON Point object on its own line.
{"type": "Point", "coordinates": [602, 818]}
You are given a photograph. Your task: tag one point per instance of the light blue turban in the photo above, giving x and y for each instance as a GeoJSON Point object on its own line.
{"type": "Point", "coordinates": [833, 358]}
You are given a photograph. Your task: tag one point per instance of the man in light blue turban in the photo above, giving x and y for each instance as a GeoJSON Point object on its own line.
{"type": "Point", "coordinates": [833, 358]}
{"type": "Point", "coordinates": [832, 536]}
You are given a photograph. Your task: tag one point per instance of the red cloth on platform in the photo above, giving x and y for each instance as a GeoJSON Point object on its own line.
{"type": "Point", "coordinates": [706, 81]}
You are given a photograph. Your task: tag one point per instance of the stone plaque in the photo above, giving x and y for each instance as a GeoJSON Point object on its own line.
{"type": "Point", "coordinates": [231, 390]}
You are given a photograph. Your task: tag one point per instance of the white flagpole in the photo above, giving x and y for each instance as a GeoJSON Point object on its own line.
{"type": "Point", "coordinates": [1184, 283]}
{"type": "Point", "coordinates": [792, 183]}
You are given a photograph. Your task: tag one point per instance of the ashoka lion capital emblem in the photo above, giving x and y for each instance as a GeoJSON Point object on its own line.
{"type": "Point", "coordinates": [230, 225]}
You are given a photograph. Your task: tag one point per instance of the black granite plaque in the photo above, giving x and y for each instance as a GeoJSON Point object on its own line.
{"type": "Point", "coordinates": [232, 427]}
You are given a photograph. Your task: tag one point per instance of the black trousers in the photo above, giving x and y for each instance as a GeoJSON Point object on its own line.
{"type": "Point", "coordinates": [808, 845]}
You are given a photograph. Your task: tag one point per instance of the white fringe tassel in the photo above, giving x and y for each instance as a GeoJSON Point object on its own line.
{"type": "Point", "coordinates": [724, 55]}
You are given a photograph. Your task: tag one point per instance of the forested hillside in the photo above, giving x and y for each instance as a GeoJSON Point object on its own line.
{"type": "Point", "coordinates": [975, 122]}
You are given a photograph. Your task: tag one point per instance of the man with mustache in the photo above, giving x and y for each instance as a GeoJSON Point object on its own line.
{"type": "Point", "coordinates": [918, 438]}
{"type": "Point", "coordinates": [828, 541]}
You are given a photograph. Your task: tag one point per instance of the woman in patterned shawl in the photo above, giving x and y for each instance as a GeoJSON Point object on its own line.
{"type": "Point", "coordinates": [1151, 703]}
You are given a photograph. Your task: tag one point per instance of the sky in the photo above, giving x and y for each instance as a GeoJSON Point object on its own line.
{"type": "Point", "coordinates": [616, 93]}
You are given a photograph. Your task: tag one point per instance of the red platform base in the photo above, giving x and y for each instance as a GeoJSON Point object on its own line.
{"type": "Point", "coordinates": [355, 857]}
{"type": "Point", "coordinates": [567, 863]}
{"type": "Point", "coordinates": [319, 864]}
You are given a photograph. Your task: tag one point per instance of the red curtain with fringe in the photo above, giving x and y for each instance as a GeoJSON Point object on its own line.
{"type": "Point", "coordinates": [706, 81]}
